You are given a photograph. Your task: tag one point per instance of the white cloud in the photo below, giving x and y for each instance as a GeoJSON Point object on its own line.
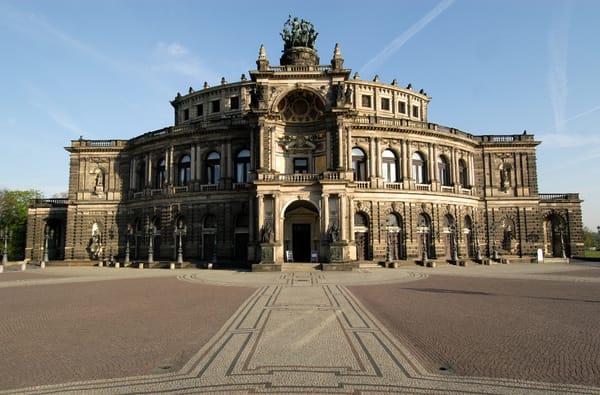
{"type": "Point", "coordinates": [399, 41]}
{"type": "Point", "coordinates": [176, 58]}
{"type": "Point", "coordinates": [558, 46]}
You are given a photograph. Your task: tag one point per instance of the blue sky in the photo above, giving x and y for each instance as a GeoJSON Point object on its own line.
{"type": "Point", "coordinates": [108, 69]}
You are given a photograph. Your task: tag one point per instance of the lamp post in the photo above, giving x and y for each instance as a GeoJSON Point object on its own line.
{"type": "Point", "coordinates": [453, 242]}
{"type": "Point", "coordinates": [423, 231]}
{"type": "Point", "coordinates": [128, 235]}
{"type": "Point", "coordinates": [5, 235]}
{"type": "Point", "coordinates": [180, 231]}
{"type": "Point", "coordinates": [150, 234]}
{"type": "Point", "coordinates": [111, 235]}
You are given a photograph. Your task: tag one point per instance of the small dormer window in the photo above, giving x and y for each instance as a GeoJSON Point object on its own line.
{"type": "Point", "coordinates": [402, 107]}
{"type": "Point", "coordinates": [385, 104]}
{"type": "Point", "coordinates": [216, 105]}
{"type": "Point", "coordinates": [234, 103]}
{"type": "Point", "coordinates": [366, 101]}
{"type": "Point", "coordinates": [415, 111]}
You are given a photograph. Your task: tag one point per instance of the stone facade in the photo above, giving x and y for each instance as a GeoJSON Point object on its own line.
{"type": "Point", "coordinates": [303, 162]}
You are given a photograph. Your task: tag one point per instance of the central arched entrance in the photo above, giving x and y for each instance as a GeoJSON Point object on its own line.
{"type": "Point", "coordinates": [300, 231]}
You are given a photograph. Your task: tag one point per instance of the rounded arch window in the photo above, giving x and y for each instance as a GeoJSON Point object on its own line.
{"type": "Point", "coordinates": [242, 166]}
{"type": "Point", "coordinates": [463, 175]}
{"type": "Point", "coordinates": [419, 167]}
{"type": "Point", "coordinates": [359, 164]}
{"type": "Point", "coordinates": [184, 170]}
{"type": "Point", "coordinates": [160, 177]}
{"type": "Point", "coordinates": [389, 166]}
{"type": "Point", "coordinates": [301, 106]}
{"type": "Point", "coordinates": [213, 167]}
{"type": "Point", "coordinates": [443, 170]}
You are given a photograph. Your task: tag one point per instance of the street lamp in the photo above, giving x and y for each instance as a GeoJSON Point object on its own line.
{"type": "Point", "coordinates": [111, 235]}
{"type": "Point", "coordinates": [5, 235]}
{"type": "Point", "coordinates": [150, 234]}
{"type": "Point", "coordinates": [128, 235]}
{"type": "Point", "coordinates": [423, 231]}
{"type": "Point", "coordinates": [453, 242]}
{"type": "Point", "coordinates": [180, 231]}
{"type": "Point", "coordinates": [49, 232]}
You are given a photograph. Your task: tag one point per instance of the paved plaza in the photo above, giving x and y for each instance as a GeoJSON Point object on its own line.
{"type": "Point", "coordinates": [501, 329]}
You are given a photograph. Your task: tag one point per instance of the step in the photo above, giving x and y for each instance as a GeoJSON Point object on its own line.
{"type": "Point", "coordinates": [301, 267]}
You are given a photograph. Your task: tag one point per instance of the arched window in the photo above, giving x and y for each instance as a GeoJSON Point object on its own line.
{"type": "Point", "coordinates": [389, 168]}
{"type": "Point", "coordinates": [419, 168]}
{"type": "Point", "coordinates": [140, 176]}
{"type": "Point", "coordinates": [213, 168]}
{"type": "Point", "coordinates": [184, 173]}
{"type": "Point", "coordinates": [159, 174]}
{"type": "Point", "coordinates": [443, 171]}
{"type": "Point", "coordinates": [359, 161]}
{"type": "Point", "coordinates": [463, 175]}
{"type": "Point", "coordinates": [242, 166]}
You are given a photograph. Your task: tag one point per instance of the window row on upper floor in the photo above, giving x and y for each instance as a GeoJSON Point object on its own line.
{"type": "Point", "coordinates": [213, 107]}
{"type": "Point", "coordinates": [419, 166]}
{"type": "Point", "coordinates": [366, 101]}
{"type": "Point", "coordinates": [156, 174]}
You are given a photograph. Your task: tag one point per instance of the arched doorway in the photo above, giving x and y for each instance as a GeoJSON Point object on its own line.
{"type": "Point", "coordinates": [361, 236]}
{"type": "Point", "coordinates": [300, 231]}
{"type": "Point", "coordinates": [209, 238]}
{"type": "Point", "coordinates": [555, 234]}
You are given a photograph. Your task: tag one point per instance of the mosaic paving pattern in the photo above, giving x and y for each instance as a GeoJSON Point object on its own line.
{"type": "Point", "coordinates": [302, 334]}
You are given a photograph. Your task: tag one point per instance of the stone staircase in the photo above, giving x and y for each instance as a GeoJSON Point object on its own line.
{"type": "Point", "coordinates": [301, 267]}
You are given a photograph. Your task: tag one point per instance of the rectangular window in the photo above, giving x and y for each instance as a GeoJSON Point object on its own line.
{"type": "Point", "coordinates": [186, 114]}
{"type": "Point", "coordinates": [216, 105]}
{"type": "Point", "coordinates": [415, 111]}
{"type": "Point", "coordinates": [366, 101]}
{"type": "Point", "coordinates": [199, 110]}
{"type": "Point", "coordinates": [300, 165]}
{"type": "Point", "coordinates": [385, 104]}
{"type": "Point", "coordinates": [234, 103]}
{"type": "Point", "coordinates": [402, 107]}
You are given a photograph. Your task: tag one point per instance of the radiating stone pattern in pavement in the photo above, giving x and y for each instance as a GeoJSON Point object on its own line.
{"type": "Point", "coordinates": [307, 333]}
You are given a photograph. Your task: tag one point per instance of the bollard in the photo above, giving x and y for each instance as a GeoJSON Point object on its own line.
{"type": "Point", "coordinates": [1, 268]}
{"type": "Point", "coordinates": [141, 265]}
{"type": "Point", "coordinates": [23, 267]}
{"type": "Point", "coordinates": [172, 266]}
{"type": "Point", "coordinates": [42, 265]}
{"type": "Point", "coordinates": [117, 265]}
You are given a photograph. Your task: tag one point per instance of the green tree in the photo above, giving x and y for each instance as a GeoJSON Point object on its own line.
{"type": "Point", "coordinates": [590, 238]}
{"type": "Point", "coordinates": [13, 216]}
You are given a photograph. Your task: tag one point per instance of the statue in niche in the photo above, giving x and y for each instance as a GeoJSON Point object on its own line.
{"type": "Point", "coordinates": [94, 246]}
{"type": "Point", "coordinates": [267, 233]}
{"type": "Point", "coordinates": [504, 176]}
{"type": "Point", "coordinates": [348, 95]}
{"type": "Point", "coordinates": [333, 233]}
{"type": "Point", "coordinates": [99, 182]}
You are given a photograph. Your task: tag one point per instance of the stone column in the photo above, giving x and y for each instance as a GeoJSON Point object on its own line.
{"type": "Point", "coordinates": [148, 181]}
{"type": "Point", "coordinates": [276, 218]}
{"type": "Point", "coordinates": [405, 160]}
{"type": "Point", "coordinates": [132, 174]}
{"type": "Point", "coordinates": [378, 157]}
{"type": "Point", "coordinates": [328, 161]}
{"type": "Point", "coordinates": [343, 221]}
{"type": "Point", "coordinates": [324, 213]}
{"type": "Point", "coordinates": [261, 147]}
{"type": "Point", "coordinates": [193, 162]}
{"type": "Point", "coordinates": [348, 158]}
{"type": "Point", "coordinates": [341, 151]}
{"type": "Point", "coordinates": [261, 211]}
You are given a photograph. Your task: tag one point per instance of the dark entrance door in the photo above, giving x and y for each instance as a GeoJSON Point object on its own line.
{"type": "Point", "coordinates": [301, 242]}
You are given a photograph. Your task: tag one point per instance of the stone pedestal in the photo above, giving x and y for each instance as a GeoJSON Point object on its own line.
{"type": "Point", "coordinates": [267, 253]}
{"type": "Point", "coordinates": [1, 268]}
{"type": "Point", "coordinates": [337, 258]}
{"type": "Point", "coordinates": [336, 252]}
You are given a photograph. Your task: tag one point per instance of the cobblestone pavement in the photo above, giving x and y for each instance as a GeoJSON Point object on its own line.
{"type": "Point", "coordinates": [505, 329]}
